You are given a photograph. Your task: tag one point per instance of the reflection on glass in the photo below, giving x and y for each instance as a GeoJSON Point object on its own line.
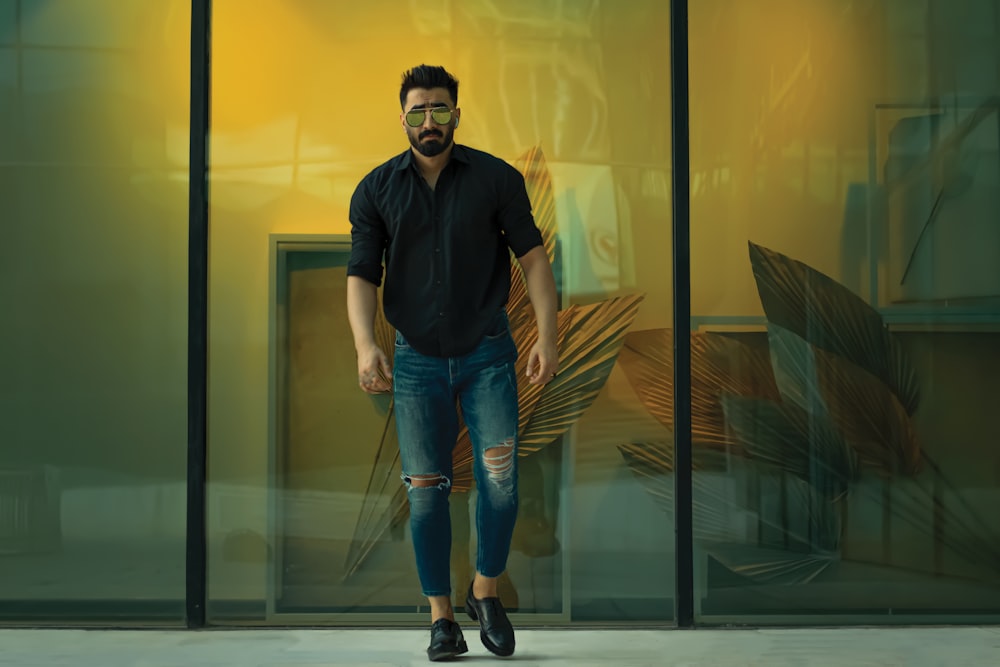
{"type": "Point", "coordinates": [940, 174]}
{"type": "Point", "coordinates": [847, 312]}
{"type": "Point", "coordinates": [307, 515]}
{"type": "Point", "coordinates": [93, 390]}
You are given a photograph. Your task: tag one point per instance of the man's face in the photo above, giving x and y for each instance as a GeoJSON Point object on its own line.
{"type": "Point", "coordinates": [430, 137]}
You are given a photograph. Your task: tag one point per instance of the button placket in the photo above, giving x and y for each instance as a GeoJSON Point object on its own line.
{"type": "Point", "coordinates": [438, 262]}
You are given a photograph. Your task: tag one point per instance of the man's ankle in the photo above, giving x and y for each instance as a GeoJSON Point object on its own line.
{"type": "Point", "coordinates": [484, 587]}
{"type": "Point", "coordinates": [441, 608]}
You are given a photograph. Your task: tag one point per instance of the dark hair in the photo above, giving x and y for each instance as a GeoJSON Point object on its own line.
{"type": "Point", "coordinates": [427, 76]}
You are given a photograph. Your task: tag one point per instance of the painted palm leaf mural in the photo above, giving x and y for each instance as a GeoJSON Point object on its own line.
{"type": "Point", "coordinates": [589, 338]}
{"type": "Point", "coordinates": [830, 317]}
{"type": "Point", "coordinates": [826, 400]}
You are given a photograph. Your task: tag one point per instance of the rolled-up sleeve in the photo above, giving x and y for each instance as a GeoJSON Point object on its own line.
{"type": "Point", "coordinates": [514, 213]}
{"type": "Point", "coordinates": [368, 236]}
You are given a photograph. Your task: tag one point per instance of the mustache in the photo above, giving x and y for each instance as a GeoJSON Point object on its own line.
{"type": "Point", "coordinates": [430, 133]}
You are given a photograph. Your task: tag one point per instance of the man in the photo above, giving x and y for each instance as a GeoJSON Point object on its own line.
{"type": "Point", "coordinates": [444, 218]}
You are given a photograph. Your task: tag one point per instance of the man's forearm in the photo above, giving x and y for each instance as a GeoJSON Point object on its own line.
{"type": "Point", "coordinates": [541, 286]}
{"type": "Point", "coordinates": [362, 300]}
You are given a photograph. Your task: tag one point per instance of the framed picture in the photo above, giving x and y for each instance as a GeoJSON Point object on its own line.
{"type": "Point", "coordinates": [934, 229]}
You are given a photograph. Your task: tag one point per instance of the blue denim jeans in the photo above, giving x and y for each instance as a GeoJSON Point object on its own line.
{"type": "Point", "coordinates": [428, 392]}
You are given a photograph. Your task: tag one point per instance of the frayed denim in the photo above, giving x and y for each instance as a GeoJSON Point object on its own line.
{"type": "Point", "coordinates": [427, 390]}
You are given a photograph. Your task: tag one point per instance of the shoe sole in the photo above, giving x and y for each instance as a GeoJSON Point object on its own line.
{"type": "Point", "coordinates": [490, 646]}
{"type": "Point", "coordinates": [449, 654]}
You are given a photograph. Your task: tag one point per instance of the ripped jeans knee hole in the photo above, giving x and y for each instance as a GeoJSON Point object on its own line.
{"type": "Point", "coordinates": [426, 481]}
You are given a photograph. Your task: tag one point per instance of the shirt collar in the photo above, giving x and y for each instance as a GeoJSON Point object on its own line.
{"type": "Point", "coordinates": [458, 152]}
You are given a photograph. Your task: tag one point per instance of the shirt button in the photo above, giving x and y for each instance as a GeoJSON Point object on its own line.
{"type": "Point", "coordinates": [440, 314]}
{"type": "Point", "coordinates": [437, 249]}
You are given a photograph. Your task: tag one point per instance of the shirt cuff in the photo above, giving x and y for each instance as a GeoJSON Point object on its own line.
{"type": "Point", "coordinates": [370, 272]}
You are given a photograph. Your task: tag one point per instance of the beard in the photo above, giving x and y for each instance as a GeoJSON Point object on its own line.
{"type": "Point", "coordinates": [442, 140]}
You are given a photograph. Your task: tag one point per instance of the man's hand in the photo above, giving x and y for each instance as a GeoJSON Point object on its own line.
{"type": "Point", "coordinates": [543, 362]}
{"type": "Point", "coordinates": [374, 372]}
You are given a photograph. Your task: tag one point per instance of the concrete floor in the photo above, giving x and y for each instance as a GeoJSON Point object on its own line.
{"type": "Point", "coordinates": [853, 647]}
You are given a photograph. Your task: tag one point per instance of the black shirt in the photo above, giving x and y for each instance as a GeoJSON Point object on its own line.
{"type": "Point", "coordinates": [447, 265]}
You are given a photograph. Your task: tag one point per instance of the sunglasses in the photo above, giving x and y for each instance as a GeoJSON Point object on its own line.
{"type": "Point", "coordinates": [440, 115]}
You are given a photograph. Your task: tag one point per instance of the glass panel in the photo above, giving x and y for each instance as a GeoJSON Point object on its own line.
{"type": "Point", "coordinates": [847, 299]}
{"type": "Point", "coordinates": [94, 264]}
{"type": "Point", "coordinates": [10, 138]}
{"type": "Point", "coordinates": [307, 520]}
{"type": "Point", "coordinates": [8, 22]}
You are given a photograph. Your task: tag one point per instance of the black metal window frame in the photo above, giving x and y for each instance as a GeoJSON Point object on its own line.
{"type": "Point", "coordinates": [196, 561]}
{"type": "Point", "coordinates": [198, 236]}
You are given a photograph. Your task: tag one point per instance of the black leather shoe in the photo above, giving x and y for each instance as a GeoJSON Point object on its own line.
{"type": "Point", "coordinates": [494, 628]}
{"type": "Point", "coordinates": [446, 641]}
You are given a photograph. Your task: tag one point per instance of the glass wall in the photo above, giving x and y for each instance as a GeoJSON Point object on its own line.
{"type": "Point", "coordinates": [307, 520]}
{"type": "Point", "coordinates": [846, 292]}
{"type": "Point", "coordinates": [93, 287]}
{"type": "Point", "coordinates": [845, 171]}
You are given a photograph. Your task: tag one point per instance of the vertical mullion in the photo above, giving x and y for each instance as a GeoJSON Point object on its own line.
{"type": "Point", "coordinates": [19, 50]}
{"type": "Point", "coordinates": [684, 536]}
{"type": "Point", "coordinates": [196, 562]}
